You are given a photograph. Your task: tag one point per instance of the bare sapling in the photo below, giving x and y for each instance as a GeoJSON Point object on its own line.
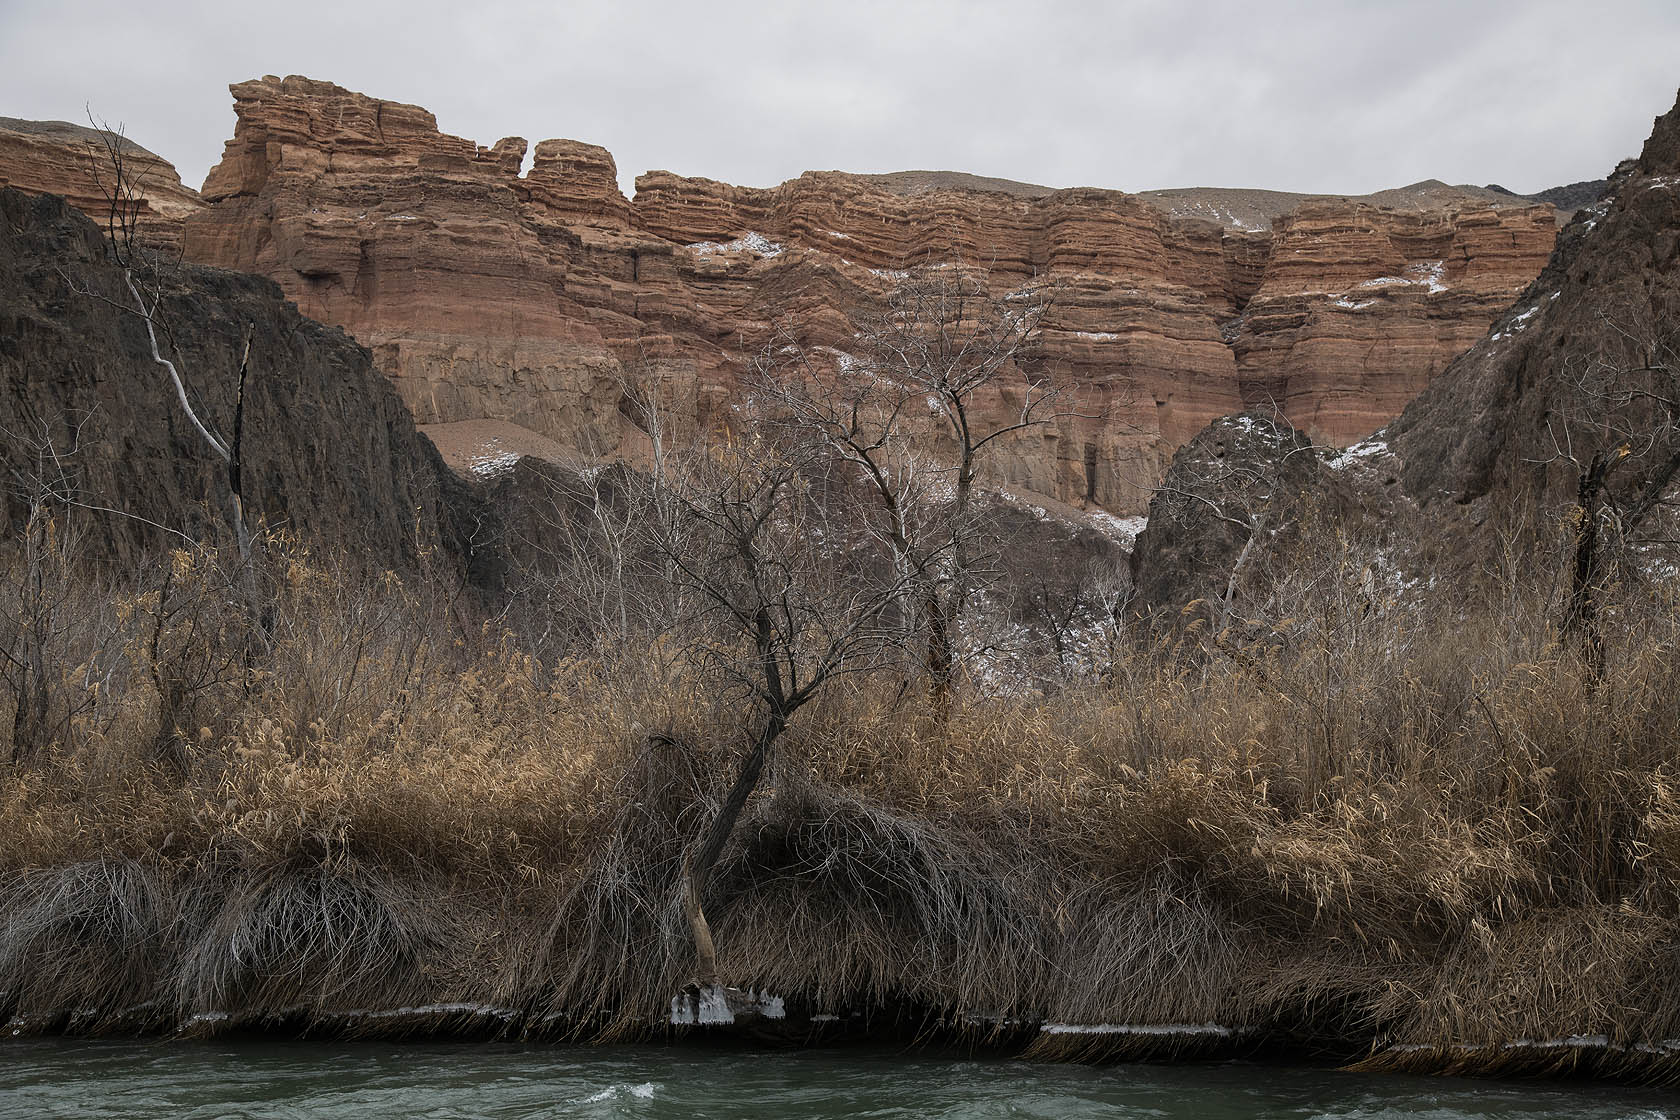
{"type": "Point", "coordinates": [122, 178]}
{"type": "Point", "coordinates": [1620, 438]}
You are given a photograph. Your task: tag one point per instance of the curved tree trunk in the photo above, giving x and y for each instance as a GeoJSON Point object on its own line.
{"type": "Point", "coordinates": [697, 871]}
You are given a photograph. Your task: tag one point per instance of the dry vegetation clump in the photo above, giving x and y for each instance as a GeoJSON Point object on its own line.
{"type": "Point", "coordinates": [1431, 842]}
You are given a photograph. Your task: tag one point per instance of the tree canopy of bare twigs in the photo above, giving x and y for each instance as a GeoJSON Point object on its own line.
{"type": "Point", "coordinates": [931, 385]}
{"type": "Point", "coordinates": [832, 529]}
{"type": "Point", "coordinates": [778, 589]}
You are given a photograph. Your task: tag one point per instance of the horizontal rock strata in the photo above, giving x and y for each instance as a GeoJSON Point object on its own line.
{"type": "Point", "coordinates": [488, 293]}
{"type": "Point", "coordinates": [56, 157]}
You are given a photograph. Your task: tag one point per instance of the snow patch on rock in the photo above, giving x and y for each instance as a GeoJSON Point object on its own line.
{"type": "Point", "coordinates": [1517, 324]}
{"type": "Point", "coordinates": [1431, 274]}
{"type": "Point", "coordinates": [750, 243]}
{"type": "Point", "coordinates": [848, 363]}
{"type": "Point", "coordinates": [1122, 529]}
{"type": "Point", "coordinates": [1360, 452]}
{"type": "Point", "coordinates": [491, 460]}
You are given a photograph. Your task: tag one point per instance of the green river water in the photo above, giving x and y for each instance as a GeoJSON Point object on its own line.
{"type": "Point", "coordinates": [58, 1078]}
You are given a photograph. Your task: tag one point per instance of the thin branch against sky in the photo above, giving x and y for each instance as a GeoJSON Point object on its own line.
{"type": "Point", "coordinates": [1323, 96]}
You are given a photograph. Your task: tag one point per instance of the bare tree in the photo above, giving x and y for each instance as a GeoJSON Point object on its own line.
{"type": "Point", "coordinates": [1079, 620]}
{"type": "Point", "coordinates": [69, 631]}
{"type": "Point", "coordinates": [31, 624]}
{"type": "Point", "coordinates": [120, 176]}
{"type": "Point", "coordinates": [784, 596]}
{"type": "Point", "coordinates": [585, 576]}
{"type": "Point", "coordinates": [930, 387]}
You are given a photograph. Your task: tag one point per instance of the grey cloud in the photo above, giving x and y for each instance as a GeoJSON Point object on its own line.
{"type": "Point", "coordinates": [1315, 96]}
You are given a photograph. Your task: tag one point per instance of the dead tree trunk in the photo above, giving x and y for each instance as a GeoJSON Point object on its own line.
{"type": "Point", "coordinates": [1580, 617]}
{"type": "Point", "coordinates": [941, 654]}
{"type": "Point", "coordinates": [698, 872]}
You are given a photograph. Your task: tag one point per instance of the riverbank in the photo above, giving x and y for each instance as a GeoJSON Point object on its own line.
{"type": "Point", "coordinates": [1431, 846]}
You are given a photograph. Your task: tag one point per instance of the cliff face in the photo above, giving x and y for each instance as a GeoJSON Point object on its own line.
{"type": "Point", "coordinates": [1336, 311]}
{"type": "Point", "coordinates": [491, 295]}
{"type": "Point", "coordinates": [68, 159]}
{"type": "Point", "coordinates": [1359, 306]}
{"type": "Point", "coordinates": [1496, 448]}
{"type": "Point", "coordinates": [330, 453]}
{"type": "Point", "coordinates": [1562, 370]}
{"type": "Point", "coordinates": [487, 294]}
{"type": "Point", "coordinates": [431, 251]}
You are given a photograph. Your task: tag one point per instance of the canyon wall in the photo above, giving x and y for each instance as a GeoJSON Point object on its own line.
{"type": "Point", "coordinates": [1486, 469]}
{"type": "Point", "coordinates": [56, 157]}
{"type": "Point", "coordinates": [1359, 307]}
{"type": "Point", "coordinates": [330, 456]}
{"type": "Point", "coordinates": [492, 296]}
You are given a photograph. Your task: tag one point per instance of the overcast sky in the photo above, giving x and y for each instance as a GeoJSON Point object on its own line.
{"type": "Point", "coordinates": [1339, 97]}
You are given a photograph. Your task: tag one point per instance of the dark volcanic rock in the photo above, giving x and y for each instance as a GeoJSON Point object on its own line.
{"type": "Point", "coordinates": [1567, 199]}
{"type": "Point", "coordinates": [1610, 290]}
{"type": "Point", "coordinates": [1583, 362]}
{"type": "Point", "coordinates": [1574, 195]}
{"type": "Point", "coordinates": [331, 454]}
{"type": "Point", "coordinates": [1247, 477]}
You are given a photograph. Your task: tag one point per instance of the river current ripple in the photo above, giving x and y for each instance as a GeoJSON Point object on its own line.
{"type": "Point", "coordinates": [365, 1081]}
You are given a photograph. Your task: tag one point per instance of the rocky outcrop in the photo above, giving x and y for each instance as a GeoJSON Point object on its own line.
{"type": "Point", "coordinates": [462, 276]}
{"type": "Point", "coordinates": [1239, 487]}
{"type": "Point", "coordinates": [80, 164]}
{"type": "Point", "coordinates": [491, 295]}
{"type": "Point", "coordinates": [1566, 199]}
{"type": "Point", "coordinates": [331, 456]}
{"type": "Point", "coordinates": [1607, 304]}
{"type": "Point", "coordinates": [1494, 452]}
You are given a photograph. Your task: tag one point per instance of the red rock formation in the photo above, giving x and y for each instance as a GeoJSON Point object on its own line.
{"type": "Point", "coordinates": [488, 295]}
{"type": "Point", "coordinates": [1359, 307]}
{"type": "Point", "coordinates": [68, 159]}
{"type": "Point", "coordinates": [1133, 325]}
{"type": "Point", "coordinates": [430, 250]}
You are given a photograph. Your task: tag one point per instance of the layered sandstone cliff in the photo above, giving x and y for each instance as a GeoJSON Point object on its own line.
{"type": "Point", "coordinates": [428, 249]}
{"type": "Point", "coordinates": [1359, 307]}
{"type": "Point", "coordinates": [488, 294]}
{"type": "Point", "coordinates": [80, 163]}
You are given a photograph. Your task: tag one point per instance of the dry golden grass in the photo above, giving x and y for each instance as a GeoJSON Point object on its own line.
{"type": "Point", "coordinates": [1440, 843]}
